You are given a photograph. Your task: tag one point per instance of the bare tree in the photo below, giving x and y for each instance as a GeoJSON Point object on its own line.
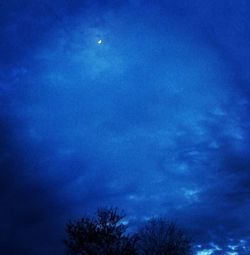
{"type": "Point", "coordinates": [161, 237]}
{"type": "Point", "coordinates": [103, 235]}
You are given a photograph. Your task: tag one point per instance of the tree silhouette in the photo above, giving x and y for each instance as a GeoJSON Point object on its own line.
{"type": "Point", "coordinates": [103, 235]}
{"type": "Point", "coordinates": [106, 235]}
{"type": "Point", "coordinates": [161, 237]}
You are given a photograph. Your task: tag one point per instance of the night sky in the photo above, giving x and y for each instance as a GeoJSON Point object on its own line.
{"type": "Point", "coordinates": [144, 105]}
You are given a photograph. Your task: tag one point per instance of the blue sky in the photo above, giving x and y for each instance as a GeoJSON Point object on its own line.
{"type": "Point", "coordinates": [154, 119]}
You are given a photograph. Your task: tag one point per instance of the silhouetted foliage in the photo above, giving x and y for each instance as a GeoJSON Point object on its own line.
{"type": "Point", "coordinates": [103, 235]}
{"type": "Point", "coordinates": [161, 237]}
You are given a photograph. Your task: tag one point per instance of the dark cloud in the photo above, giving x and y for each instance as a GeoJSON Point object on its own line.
{"type": "Point", "coordinates": [25, 203]}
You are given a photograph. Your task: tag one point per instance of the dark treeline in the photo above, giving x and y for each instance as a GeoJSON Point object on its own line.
{"type": "Point", "coordinates": [106, 234]}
